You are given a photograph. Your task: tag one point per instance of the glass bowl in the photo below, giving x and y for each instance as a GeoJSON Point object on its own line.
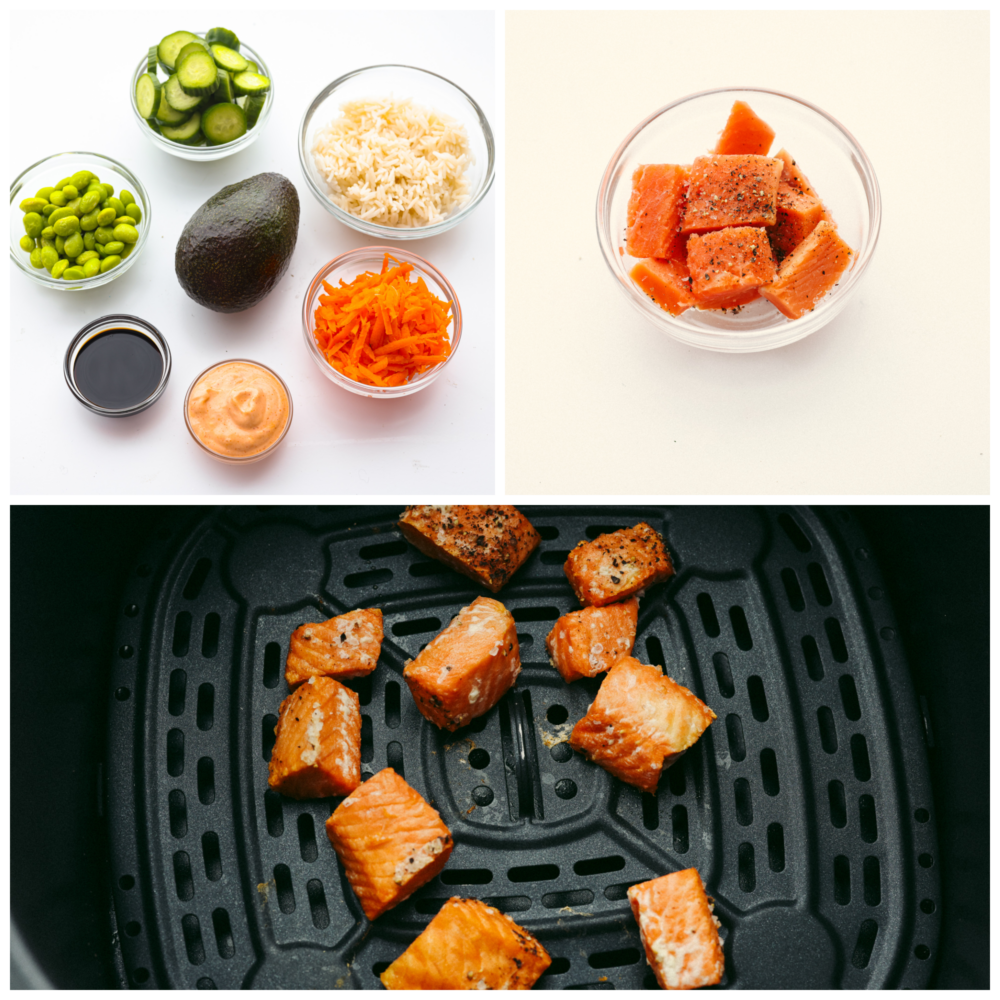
{"type": "Point", "coordinates": [425, 88]}
{"type": "Point", "coordinates": [117, 321]}
{"type": "Point", "coordinates": [348, 266]}
{"type": "Point", "coordinates": [826, 152]}
{"type": "Point", "coordinates": [205, 153]}
{"type": "Point", "coordinates": [45, 173]}
{"type": "Point", "coordinates": [238, 459]}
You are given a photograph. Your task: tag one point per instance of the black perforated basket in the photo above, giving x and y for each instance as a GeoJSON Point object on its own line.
{"type": "Point", "coordinates": [806, 806]}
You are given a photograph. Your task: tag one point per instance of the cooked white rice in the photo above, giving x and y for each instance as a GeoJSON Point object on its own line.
{"type": "Point", "coordinates": [393, 162]}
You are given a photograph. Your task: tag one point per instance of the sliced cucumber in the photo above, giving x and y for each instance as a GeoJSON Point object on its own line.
{"type": "Point", "coordinates": [198, 75]}
{"type": "Point", "coordinates": [228, 59]}
{"type": "Point", "coordinates": [147, 95]}
{"type": "Point", "coordinates": [252, 107]}
{"type": "Point", "coordinates": [170, 46]}
{"type": "Point", "coordinates": [153, 124]}
{"type": "Point", "coordinates": [198, 46]}
{"type": "Point", "coordinates": [251, 83]}
{"type": "Point", "coordinates": [224, 37]}
{"type": "Point", "coordinates": [224, 93]}
{"type": "Point", "coordinates": [168, 115]}
{"type": "Point", "coordinates": [223, 123]}
{"type": "Point", "coordinates": [185, 131]}
{"type": "Point", "coordinates": [252, 66]}
{"type": "Point", "coordinates": [151, 60]}
{"type": "Point", "coordinates": [177, 98]}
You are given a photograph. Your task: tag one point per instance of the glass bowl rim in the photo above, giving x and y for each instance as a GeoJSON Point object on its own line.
{"type": "Point", "coordinates": [360, 388]}
{"type": "Point", "coordinates": [240, 459]}
{"type": "Point", "coordinates": [397, 232]}
{"type": "Point", "coordinates": [749, 341]}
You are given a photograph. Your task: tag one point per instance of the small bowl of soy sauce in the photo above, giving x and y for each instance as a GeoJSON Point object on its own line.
{"type": "Point", "coordinates": [117, 366]}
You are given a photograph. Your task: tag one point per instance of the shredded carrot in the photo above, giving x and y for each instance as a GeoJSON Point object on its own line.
{"type": "Point", "coordinates": [383, 329]}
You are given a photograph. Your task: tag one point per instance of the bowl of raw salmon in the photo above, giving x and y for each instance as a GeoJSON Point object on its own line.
{"type": "Point", "coordinates": [798, 197]}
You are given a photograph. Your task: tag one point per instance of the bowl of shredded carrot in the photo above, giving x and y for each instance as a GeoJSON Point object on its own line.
{"type": "Point", "coordinates": [381, 322]}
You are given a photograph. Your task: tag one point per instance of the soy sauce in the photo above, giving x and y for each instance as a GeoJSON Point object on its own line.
{"type": "Point", "coordinates": [118, 368]}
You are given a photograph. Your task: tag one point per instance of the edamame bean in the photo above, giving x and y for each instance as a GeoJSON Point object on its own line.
{"type": "Point", "coordinates": [124, 220]}
{"type": "Point", "coordinates": [126, 234]}
{"type": "Point", "coordinates": [134, 211]}
{"type": "Point", "coordinates": [106, 216]}
{"type": "Point", "coordinates": [73, 246]}
{"type": "Point", "coordinates": [64, 182]}
{"type": "Point", "coordinates": [27, 244]}
{"type": "Point", "coordinates": [89, 242]}
{"type": "Point", "coordinates": [60, 213]}
{"type": "Point", "coordinates": [108, 190]}
{"type": "Point", "coordinates": [34, 224]}
{"type": "Point", "coordinates": [48, 233]}
{"type": "Point", "coordinates": [129, 247]}
{"type": "Point", "coordinates": [49, 209]}
{"type": "Point", "coordinates": [59, 267]}
{"type": "Point", "coordinates": [67, 225]}
{"type": "Point", "coordinates": [58, 198]}
{"type": "Point", "coordinates": [109, 262]}
{"type": "Point", "coordinates": [49, 257]}
{"type": "Point", "coordinates": [60, 244]}
{"type": "Point", "coordinates": [116, 246]}
{"type": "Point", "coordinates": [71, 192]}
{"type": "Point", "coordinates": [87, 255]}
{"type": "Point", "coordinates": [127, 198]}
{"type": "Point", "coordinates": [74, 207]}
{"type": "Point", "coordinates": [103, 234]}
{"type": "Point", "coordinates": [116, 204]}
{"type": "Point", "coordinates": [99, 247]}
{"type": "Point", "coordinates": [74, 274]}
{"type": "Point", "coordinates": [44, 192]}
{"type": "Point", "coordinates": [92, 268]}
{"type": "Point", "coordinates": [44, 242]}
{"type": "Point", "coordinates": [36, 258]}
{"type": "Point", "coordinates": [33, 204]}
{"type": "Point", "coordinates": [81, 178]}
{"type": "Point", "coordinates": [89, 202]}
{"type": "Point", "coordinates": [89, 221]}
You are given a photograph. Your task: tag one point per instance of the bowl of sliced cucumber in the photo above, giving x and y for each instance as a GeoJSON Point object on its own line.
{"type": "Point", "coordinates": [201, 96]}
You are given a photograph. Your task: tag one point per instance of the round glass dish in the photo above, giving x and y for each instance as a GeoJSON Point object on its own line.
{"type": "Point", "coordinates": [424, 88]}
{"type": "Point", "coordinates": [205, 153]}
{"type": "Point", "coordinates": [238, 459]}
{"type": "Point", "coordinates": [828, 155]}
{"type": "Point", "coordinates": [116, 321]}
{"type": "Point", "coordinates": [45, 173]}
{"type": "Point", "coordinates": [348, 266]}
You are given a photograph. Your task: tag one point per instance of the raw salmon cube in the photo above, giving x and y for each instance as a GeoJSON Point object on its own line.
{"type": "Point", "coordinates": [615, 566]}
{"type": "Point", "coordinates": [585, 643]}
{"type": "Point", "coordinates": [809, 272]}
{"type": "Point", "coordinates": [317, 750]}
{"type": "Point", "coordinates": [666, 282]}
{"type": "Point", "coordinates": [729, 265]}
{"type": "Point", "coordinates": [469, 946]}
{"type": "Point", "coordinates": [389, 840]}
{"type": "Point", "coordinates": [488, 544]}
{"type": "Point", "coordinates": [468, 668]}
{"type": "Point", "coordinates": [745, 132]}
{"type": "Point", "coordinates": [678, 929]}
{"type": "Point", "coordinates": [739, 190]}
{"type": "Point", "coordinates": [640, 723]}
{"type": "Point", "coordinates": [344, 646]}
{"type": "Point", "coordinates": [799, 208]}
{"type": "Point", "coordinates": [655, 210]}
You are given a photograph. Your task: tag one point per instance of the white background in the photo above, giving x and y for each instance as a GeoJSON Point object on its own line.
{"type": "Point", "coordinates": [439, 440]}
{"type": "Point", "coordinates": [891, 398]}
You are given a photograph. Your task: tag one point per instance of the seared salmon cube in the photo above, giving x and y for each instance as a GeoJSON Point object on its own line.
{"type": "Point", "coordinates": [585, 643]}
{"type": "Point", "coordinates": [469, 946]}
{"type": "Point", "coordinates": [616, 566]}
{"type": "Point", "coordinates": [342, 647]}
{"type": "Point", "coordinates": [486, 543]}
{"type": "Point", "coordinates": [389, 840]}
{"type": "Point", "coordinates": [729, 266]}
{"type": "Point", "coordinates": [468, 668]}
{"type": "Point", "coordinates": [655, 210]}
{"type": "Point", "coordinates": [678, 929]}
{"type": "Point", "coordinates": [640, 723]}
{"type": "Point", "coordinates": [317, 750]}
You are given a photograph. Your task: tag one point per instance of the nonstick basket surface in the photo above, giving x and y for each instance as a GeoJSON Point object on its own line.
{"type": "Point", "coordinates": [806, 806]}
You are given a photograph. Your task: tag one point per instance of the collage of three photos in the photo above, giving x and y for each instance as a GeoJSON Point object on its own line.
{"type": "Point", "coordinates": [673, 698]}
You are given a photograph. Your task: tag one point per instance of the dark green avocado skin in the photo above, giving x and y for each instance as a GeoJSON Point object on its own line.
{"type": "Point", "coordinates": [237, 246]}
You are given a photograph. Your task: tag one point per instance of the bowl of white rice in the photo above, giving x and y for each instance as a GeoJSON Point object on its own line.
{"type": "Point", "coordinates": [396, 152]}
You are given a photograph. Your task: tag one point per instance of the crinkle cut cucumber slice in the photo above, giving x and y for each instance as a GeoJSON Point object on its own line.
{"type": "Point", "coordinates": [223, 123]}
{"type": "Point", "coordinates": [176, 97]}
{"type": "Point", "coordinates": [253, 106]}
{"type": "Point", "coordinates": [147, 95]}
{"type": "Point", "coordinates": [198, 75]}
{"type": "Point", "coordinates": [228, 59]}
{"type": "Point", "coordinates": [224, 37]}
{"type": "Point", "coordinates": [184, 131]}
{"type": "Point", "coordinates": [170, 45]}
{"type": "Point", "coordinates": [251, 83]}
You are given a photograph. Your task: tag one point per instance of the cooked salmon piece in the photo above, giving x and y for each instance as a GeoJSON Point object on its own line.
{"type": "Point", "coordinates": [468, 667]}
{"type": "Point", "coordinates": [317, 750]}
{"type": "Point", "coordinates": [616, 566]}
{"type": "Point", "coordinates": [487, 544]}
{"type": "Point", "coordinates": [585, 643]}
{"type": "Point", "coordinates": [640, 722]}
{"type": "Point", "coordinates": [389, 840]}
{"type": "Point", "coordinates": [678, 929]}
{"type": "Point", "coordinates": [799, 208]}
{"type": "Point", "coordinates": [343, 646]}
{"type": "Point", "coordinates": [728, 266]}
{"type": "Point", "coordinates": [745, 132]}
{"type": "Point", "coordinates": [809, 271]}
{"type": "Point", "coordinates": [737, 190]}
{"type": "Point", "coordinates": [655, 210]}
{"type": "Point", "coordinates": [469, 946]}
{"type": "Point", "coordinates": [666, 282]}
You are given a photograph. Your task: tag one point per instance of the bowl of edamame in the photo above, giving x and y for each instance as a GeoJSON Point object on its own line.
{"type": "Point", "coordinates": [77, 220]}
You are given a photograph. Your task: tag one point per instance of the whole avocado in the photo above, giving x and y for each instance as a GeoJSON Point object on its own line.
{"type": "Point", "coordinates": [239, 243]}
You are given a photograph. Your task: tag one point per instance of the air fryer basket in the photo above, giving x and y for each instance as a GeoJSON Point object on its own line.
{"type": "Point", "coordinates": [806, 806]}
